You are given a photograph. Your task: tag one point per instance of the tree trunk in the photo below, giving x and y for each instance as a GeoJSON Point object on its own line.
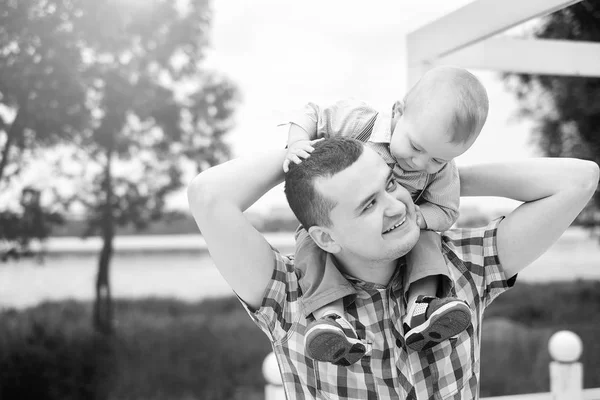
{"type": "Point", "coordinates": [103, 312]}
{"type": "Point", "coordinates": [13, 133]}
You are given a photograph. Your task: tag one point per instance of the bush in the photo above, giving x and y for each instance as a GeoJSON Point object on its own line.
{"type": "Point", "coordinates": [518, 325]}
{"type": "Point", "coordinates": [163, 349]}
{"type": "Point", "coordinates": [167, 349]}
{"type": "Point", "coordinates": [43, 356]}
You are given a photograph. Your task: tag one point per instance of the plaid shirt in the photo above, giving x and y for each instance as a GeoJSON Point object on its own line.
{"type": "Point", "coordinates": [437, 194]}
{"type": "Point", "coordinates": [390, 370]}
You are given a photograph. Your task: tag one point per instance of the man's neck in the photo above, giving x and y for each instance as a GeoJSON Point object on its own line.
{"type": "Point", "coordinates": [379, 272]}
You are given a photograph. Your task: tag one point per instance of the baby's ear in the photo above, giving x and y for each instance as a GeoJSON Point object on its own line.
{"type": "Point", "coordinates": [397, 109]}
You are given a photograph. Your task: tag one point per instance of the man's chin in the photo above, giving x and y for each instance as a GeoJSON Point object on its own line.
{"type": "Point", "coordinates": [408, 240]}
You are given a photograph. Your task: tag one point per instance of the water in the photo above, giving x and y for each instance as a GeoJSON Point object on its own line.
{"type": "Point", "coordinates": [180, 267]}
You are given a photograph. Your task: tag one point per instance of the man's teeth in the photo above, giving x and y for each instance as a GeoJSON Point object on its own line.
{"type": "Point", "coordinates": [397, 225]}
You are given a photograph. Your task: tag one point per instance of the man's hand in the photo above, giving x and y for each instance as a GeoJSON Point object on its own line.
{"type": "Point", "coordinates": [298, 151]}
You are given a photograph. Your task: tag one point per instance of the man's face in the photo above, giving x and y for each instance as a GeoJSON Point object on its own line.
{"type": "Point", "coordinates": [374, 218]}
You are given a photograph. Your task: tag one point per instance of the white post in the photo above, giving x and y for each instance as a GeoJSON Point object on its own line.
{"type": "Point", "coordinates": [274, 387]}
{"type": "Point", "coordinates": [566, 374]}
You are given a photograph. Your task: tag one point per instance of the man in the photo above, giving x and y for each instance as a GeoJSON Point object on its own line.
{"type": "Point", "coordinates": [354, 210]}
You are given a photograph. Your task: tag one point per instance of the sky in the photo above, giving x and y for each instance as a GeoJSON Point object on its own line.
{"type": "Point", "coordinates": [283, 54]}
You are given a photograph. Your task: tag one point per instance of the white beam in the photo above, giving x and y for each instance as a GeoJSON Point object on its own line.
{"type": "Point", "coordinates": [540, 56]}
{"type": "Point", "coordinates": [474, 22]}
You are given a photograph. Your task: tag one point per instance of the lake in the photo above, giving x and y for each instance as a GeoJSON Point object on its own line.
{"type": "Point", "coordinates": [179, 266]}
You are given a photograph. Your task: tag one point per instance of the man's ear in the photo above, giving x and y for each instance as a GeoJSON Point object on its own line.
{"type": "Point", "coordinates": [323, 239]}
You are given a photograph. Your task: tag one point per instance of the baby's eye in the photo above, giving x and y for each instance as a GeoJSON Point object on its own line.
{"type": "Point", "coordinates": [438, 161]}
{"type": "Point", "coordinates": [415, 148]}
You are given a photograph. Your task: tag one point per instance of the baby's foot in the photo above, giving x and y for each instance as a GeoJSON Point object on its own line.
{"type": "Point", "coordinates": [431, 320]}
{"type": "Point", "coordinates": [332, 339]}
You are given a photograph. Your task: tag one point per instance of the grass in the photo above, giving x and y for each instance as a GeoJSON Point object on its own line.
{"type": "Point", "coordinates": [163, 349]}
{"type": "Point", "coordinates": [167, 349]}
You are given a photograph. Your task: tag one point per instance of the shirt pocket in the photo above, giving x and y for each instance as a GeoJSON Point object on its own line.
{"type": "Point", "coordinates": [455, 365]}
{"type": "Point", "coordinates": [355, 381]}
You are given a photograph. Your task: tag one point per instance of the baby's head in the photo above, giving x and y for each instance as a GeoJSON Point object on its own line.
{"type": "Point", "coordinates": [439, 119]}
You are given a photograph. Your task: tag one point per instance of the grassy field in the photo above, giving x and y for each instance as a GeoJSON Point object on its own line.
{"type": "Point", "coordinates": [166, 349]}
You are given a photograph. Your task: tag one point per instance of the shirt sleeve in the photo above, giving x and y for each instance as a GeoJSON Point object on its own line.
{"type": "Point", "coordinates": [441, 198]}
{"type": "Point", "coordinates": [475, 252]}
{"type": "Point", "coordinates": [344, 118]}
{"type": "Point", "coordinates": [279, 309]}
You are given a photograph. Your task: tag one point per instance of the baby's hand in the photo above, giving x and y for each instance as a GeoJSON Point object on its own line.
{"type": "Point", "coordinates": [420, 219]}
{"type": "Point", "coordinates": [298, 151]}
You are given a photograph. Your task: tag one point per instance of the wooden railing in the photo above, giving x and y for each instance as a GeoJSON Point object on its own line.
{"type": "Point", "coordinates": [566, 374]}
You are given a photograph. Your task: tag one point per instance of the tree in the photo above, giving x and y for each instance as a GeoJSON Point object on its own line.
{"type": "Point", "coordinates": [32, 222]}
{"type": "Point", "coordinates": [41, 96]}
{"type": "Point", "coordinates": [566, 110]}
{"type": "Point", "coordinates": [148, 106]}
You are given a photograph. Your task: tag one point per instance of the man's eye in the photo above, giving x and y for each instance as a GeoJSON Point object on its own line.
{"type": "Point", "coordinates": [392, 184]}
{"type": "Point", "coordinates": [370, 205]}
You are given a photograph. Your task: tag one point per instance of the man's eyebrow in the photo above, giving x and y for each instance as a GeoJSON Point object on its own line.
{"type": "Point", "coordinates": [370, 197]}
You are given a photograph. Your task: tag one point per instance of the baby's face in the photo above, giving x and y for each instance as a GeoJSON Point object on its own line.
{"type": "Point", "coordinates": [422, 144]}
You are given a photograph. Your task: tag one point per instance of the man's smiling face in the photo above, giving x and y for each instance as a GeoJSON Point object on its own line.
{"type": "Point", "coordinates": [374, 218]}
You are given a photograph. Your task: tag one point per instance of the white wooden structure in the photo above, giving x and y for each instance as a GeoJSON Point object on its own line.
{"type": "Point", "coordinates": [566, 374]}
{"type": "Point", "coordinates": [465, 38]}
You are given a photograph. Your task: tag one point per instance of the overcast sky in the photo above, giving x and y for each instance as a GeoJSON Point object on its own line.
{"type": "Point", "coordinates": [283, 54]}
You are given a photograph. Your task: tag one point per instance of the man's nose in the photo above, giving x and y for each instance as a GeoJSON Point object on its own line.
{"type": "Point", "coordinates": [394, 207]}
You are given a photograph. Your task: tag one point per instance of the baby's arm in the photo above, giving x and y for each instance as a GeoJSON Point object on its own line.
{"type": "Point", "coordinates": [344, 118]}
{"type": "Point", "coordinates": [302, 129]}
{"type": "Point", "coordinates": [441, 199]}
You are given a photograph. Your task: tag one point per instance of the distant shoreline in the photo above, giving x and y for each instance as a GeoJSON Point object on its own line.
{"type": "Point", "coordinates": [191, 242]}
{"type": "Point", "coordinates": [132, 244]}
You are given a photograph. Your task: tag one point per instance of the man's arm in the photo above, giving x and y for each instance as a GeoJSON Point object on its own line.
{"type": "Point", "coordinates": [217, 199]}
{"type": "Point", "coordinates": [554, 191]}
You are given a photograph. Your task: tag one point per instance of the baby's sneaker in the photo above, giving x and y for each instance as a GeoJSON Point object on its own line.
{"type": "Point", "coordinates": [431, 320]}
{"type": "Point", "coordinates": [332, 339]}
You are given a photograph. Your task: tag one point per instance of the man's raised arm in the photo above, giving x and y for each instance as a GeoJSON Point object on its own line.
{"type": "Point", "coordinates": [554, 191]}
{"type": "Point", "coordinates": [217, 199]}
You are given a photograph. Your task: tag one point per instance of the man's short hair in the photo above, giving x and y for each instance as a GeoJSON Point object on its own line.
{"type": "Point", "coordinates": [329, 157]}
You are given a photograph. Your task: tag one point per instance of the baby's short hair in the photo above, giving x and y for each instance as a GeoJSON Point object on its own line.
{"type": "Point", "coordinates": [470, 99]}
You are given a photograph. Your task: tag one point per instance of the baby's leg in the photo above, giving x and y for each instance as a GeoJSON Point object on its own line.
{"type": "Point", "coordinates": [427, 286]}
{"type": "Point", "coordinates": [330, 337]}
{"type": "Point", "coordinates": [430, 319]}
{"type": "Point", "coordinates": [321, 282]}
{"type": "Point", "coordinates": [335, 307]}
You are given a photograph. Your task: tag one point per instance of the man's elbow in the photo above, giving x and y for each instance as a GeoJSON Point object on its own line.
{"type": "Point", "coordinates": [589, 176]}
{"type": "Point", "coordinates": [200, 196]}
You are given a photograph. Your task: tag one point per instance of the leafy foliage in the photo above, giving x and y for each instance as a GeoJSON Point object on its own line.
{"type": "Point", "coordinates": [122, 82]}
